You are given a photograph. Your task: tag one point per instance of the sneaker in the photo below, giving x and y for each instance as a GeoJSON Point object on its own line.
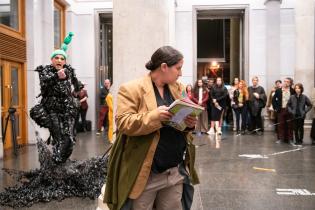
{"type": "Point", "coordinates": [278, 141]}
{"type": "Point", "coordinates": [98, 133]}
{"type": "Point", "coordinates": [219, 131]}
{"type": "Point", "coordinates": [238, 132]}
{"type": "Point", "coordinates": [243, 132]}
{"type": "Point", "coordinates": [211, 131]}
{"type": "Point", "coordinates": [259, 133]}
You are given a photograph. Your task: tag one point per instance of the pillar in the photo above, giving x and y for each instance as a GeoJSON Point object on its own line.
{"type": "Point", "coordinates": [272, 43]}
{"type": "Point", "coordinates": [304, 33]}
{"type": "Point", "coordinates": [139, 28]}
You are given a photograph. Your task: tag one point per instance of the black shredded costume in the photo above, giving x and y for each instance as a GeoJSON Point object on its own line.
{"type": "Point", "coordinates": [57, 109]}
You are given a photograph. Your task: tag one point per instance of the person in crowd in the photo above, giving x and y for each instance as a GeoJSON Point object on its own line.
{"type": "Point", "coordinates": [189, 91]}
{"type": "Point", "coordinates": [103, 113]}
{"type": "Point", "coordinates": [312, 133]}
{"type": "Point", "coordinates": [58, 108]}
{"type": "Point", "coordinates": [298, 105]}
{"type": "Point", "coordinates": [231, 94]}
{"type": "Point", "coordinates": [209, 87]}
{"type": "Point", "coordinates": [240, 98]}
{"type": "Point", "coordinates": [82, 96]}
{"type": "Point", "coordinates": [291, 83]}
{"type": "Point", "coordinates": [200, 97]}
{"type": "Point", "coordinates": [256, 102]}
{"type": "Point", "coordinates": [110, 105]}
{"type": "Point", "coordinates": [279, 103]}
{"type": "Point", "coordinates": [146, 164]}
{"type": "Point", "coordinates": [270, 111]}
{"type": "Point", "coordinates": [218, 95]}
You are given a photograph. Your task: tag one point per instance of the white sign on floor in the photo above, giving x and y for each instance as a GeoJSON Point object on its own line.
{"type": "Point", "coordinates": [293, 192]}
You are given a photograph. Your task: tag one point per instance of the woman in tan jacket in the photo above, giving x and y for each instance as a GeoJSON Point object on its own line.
{"type": "Point", "coordinates": [146, 166]}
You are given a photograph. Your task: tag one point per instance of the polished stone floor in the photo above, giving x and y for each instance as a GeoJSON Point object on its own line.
{"type": "Point", "coordinates": [231, 177]}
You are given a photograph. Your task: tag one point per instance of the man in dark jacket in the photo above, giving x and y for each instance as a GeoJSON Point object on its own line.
{"type": "Point", "coordinates": [298, 105]}
{"type": "Point", "coordinates": [284, 118]}
{"type": "Point", "coordinates": [257, 101]}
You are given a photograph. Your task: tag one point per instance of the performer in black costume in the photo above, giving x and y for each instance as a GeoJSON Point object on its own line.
{"type": "Point", "coordinates": [58, 109]}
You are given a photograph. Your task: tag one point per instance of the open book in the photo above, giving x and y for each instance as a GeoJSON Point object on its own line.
{"type": "Point", "coordinates": [180, 109]}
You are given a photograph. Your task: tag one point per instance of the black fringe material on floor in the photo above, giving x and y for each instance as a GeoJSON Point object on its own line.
{"type": "Point", "coordinates": [55, 181]}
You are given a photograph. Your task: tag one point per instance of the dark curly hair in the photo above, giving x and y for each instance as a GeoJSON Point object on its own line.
{"type": "Point", "coordinates": [165, 54]}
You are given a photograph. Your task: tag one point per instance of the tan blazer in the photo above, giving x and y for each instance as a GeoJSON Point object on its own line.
{"type": "Point", "coordinates": [137, 115]}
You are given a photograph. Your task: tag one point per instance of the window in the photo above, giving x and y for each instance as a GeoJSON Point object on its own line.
{"type": "Point", "coordinates": [9, 13]}
{"type": "Point", "coordinates": [59, 24]}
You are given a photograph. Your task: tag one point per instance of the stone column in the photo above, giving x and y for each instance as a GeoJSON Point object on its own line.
{"type": "Point", "coordinates": [234, 48]}
{"type": "Point", "coordinates": [304, 64]}
{"type": "Point", "coordinates": [139, 28]}
{"type": "Point", "coordinates": [39, 47]}
{"type": "Point", "coordinates": [272, 43]}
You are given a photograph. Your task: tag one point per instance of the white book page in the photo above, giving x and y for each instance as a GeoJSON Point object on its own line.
{"type": "Point", "coordinates": [179, 116]}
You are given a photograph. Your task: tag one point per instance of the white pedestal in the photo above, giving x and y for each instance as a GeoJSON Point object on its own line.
{"type": "Point", "coordinates": [101, 205]}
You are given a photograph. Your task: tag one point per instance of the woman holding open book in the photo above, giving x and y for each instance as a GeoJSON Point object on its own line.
{"type": "Point", "coordinates": [200, 97]}
{"type": "Point", "coordinates": [146, 165]}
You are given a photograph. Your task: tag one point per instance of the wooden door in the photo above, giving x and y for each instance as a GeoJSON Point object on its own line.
{"type": "Point", "coordinates": [13, 95]}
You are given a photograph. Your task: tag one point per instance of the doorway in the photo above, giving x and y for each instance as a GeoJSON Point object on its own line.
{"type": "Point", "coordinates": [220, 44]}
{"type": "Point", "coordinates": [13, 94]}
{"type": "Point", "coordinates": [104, 54]}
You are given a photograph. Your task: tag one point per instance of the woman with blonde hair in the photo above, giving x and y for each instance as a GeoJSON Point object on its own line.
{"type": "Point", "coordinates": [240, 98]}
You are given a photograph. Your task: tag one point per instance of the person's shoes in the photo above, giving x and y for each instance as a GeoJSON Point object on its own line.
{"type": "Point", "coordinates": [211, 131]}
{"type": "Point", "coordinates": [259, 133]}
{"type": "Point", "coordinates": [243, 132]}
{"type": "Point", "coordinates": [219, 131]}
{"type": "Point", "coordinates": [238, 132]}
{"type": "Point", "coordinates": [98, 133]}
{"type": "Point", "coordinates": [278, 141]}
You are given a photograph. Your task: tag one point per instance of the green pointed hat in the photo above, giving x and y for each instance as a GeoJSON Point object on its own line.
{"type": "Point", "coordinates": [64, 47]}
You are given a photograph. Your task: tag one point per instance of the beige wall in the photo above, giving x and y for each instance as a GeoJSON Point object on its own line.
{"type": "Point", "coordinates": [304, 68]}
{"type": "Point", "coordinates": [138, 31]}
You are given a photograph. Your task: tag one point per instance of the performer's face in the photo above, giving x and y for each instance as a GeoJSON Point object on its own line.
{"type": "Point", "coordinates": [58, 61]}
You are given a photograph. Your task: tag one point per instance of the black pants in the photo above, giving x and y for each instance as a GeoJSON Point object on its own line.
{"type": "Point", "coordinates": [256, 121]}
{"type": "Point", "coordinates": [298, 126]}
{"type": "Point", "coordinates": [240, 113]}
{"type": "Point", "coordinates": [83, 117]}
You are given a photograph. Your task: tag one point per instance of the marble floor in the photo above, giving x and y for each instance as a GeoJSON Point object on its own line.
{"type": "Point", "coordinates": [236, 172]}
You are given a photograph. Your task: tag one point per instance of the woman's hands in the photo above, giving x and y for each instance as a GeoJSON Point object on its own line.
{"type": "Point", "coordinates": [165, 115]}
{"type": "Point", "coordinates": [191, 121]}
